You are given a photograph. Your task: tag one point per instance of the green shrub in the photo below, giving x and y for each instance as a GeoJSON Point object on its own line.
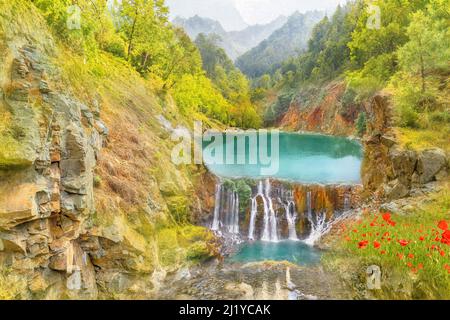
{"type": "Point", "coordinates": [361, 124]}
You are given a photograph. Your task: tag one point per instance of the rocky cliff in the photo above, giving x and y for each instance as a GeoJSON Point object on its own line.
{"type": "Point", "coordinates": [391, 173]}
{"type": "Point", "coordinates": [321, 110]}
{"type": "Point", "coordinates": [90, 204]}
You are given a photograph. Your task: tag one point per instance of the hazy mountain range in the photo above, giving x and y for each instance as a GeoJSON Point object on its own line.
{"type": "Point", "coordinates": [289, 40]}
{"type": "Point", "coordinates": [223, 11]}
{"type": "Point", "coordinates": [235, 43]}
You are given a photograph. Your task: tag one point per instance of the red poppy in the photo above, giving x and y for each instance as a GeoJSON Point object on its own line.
{"type": "Point", "coordinates": [422, 238]}
{"type": "Point", "coordinates": [403, 243]}
{"type": "Point", "coordinates": [411, 256]}
{"type": "Point", "coordinates": [400, 256]}
{"type": "Point", "coordinates": [443, 225]}
{"type": "Point", "coordinates": [376, 244]}
{"type": "Point", "coordinates": [392, 223]}
{"type": "Point", "coordinates": [386, 216]}
{"type": "Point", "coordinates": [420, 266]}
{"type": "Point", "coordinates": [363, 244]}
{"type": "Point", "coordinates": [409, 264]}
{"type": "Point", "coordinates": [383, 251]}
{"type": "Point", "coordinates": [446, 235]}
{"type": "Point", "coordinates": [442, 253]}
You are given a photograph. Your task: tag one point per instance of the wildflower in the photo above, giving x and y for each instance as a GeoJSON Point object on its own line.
{"type": "Point", "coordinates": [422, 238]}
{"type": "Point", "coordinates": [386, 216]}
{"type": "Point", "coordinates": [363, 244]}
{"type": "Point", "coordinates": [403, 243]}
{"type": "Point", "coordinates": [411, 256]}
{"type": "Point", "coordinates": [400, 256]}
{"type": "Point", "coordinates": [443, 225]}
{"type": "Point", "coordinates": [446, 235]}
{"type": "Point", "coordinates": [376, 244]}
{"type": "Point", "coordinates": [442, 253]}
{"type": "Point", "coordinates": [383, 252]}
{"type": "Point", "coordinates": [409, 264]}
{"type": "Point", "coordinates": [420, 266]}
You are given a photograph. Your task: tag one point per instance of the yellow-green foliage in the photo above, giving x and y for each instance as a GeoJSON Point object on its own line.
{"type": "Point", "coordinates": [419, 139]}
{"type": "Point", "coordinates": [418, 269]}
{"type": "Point", "coordinates": [12, 286]}
{"type": "Point", "coordinates": [11, 153]}
{"type": "Point", "coordinates": [182, 245]}
{"type": "Point", "coordinates": [196, 94]}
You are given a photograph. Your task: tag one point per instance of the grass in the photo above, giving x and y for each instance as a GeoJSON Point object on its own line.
{"type": "Point", "coordinates": [12, 286]}
{"type": "Point", "coordinates": [183, 245]}
{"type": "Point", "coordinates": [418, 139]}
{"type": "Point", "coordinates": [409, 249]}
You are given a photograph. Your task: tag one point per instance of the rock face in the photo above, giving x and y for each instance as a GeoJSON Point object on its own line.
{"type": "Point", "coordinates": [321, 111]}
{"type": "Point", "coordinates": [390, 173]}
{"type": "Point", "coordinates": [81, 188]}
{"type": "Point", "coordinates": [44, 203]}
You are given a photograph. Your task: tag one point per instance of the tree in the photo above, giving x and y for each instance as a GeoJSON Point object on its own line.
{"type": "Point", "coordinates": [361, 125]}
{"type": "Point", "coordinates": [427, 48]}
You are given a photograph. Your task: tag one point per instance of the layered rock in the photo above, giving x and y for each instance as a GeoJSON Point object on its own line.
{"type": "Point", "coordinates": [321, 110]}
{"type": "Point", "coordinates": [89, 199]}
{"type": "Point", "coordinates": [47, 193]}
{"type": "Point", "coordinates": [389, 172]}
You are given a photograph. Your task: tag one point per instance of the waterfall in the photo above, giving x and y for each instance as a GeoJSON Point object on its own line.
{"type": "Point", "coordinates": [272, 218]}
{"type": "Point", "coordinates": [269, 198]}
{"type": "Point", "coordinates": [291, 216]}
{"type": "Point", "coordinates": [270, 228]}
{"type": "Point", "coordinates": [226, 219]}
{"type": "Point", "coordinates": [215, 225]}
{"type": "Point", "coordinates": [235, 226]}
{"type": "Point", "coordinates": [266, 230]}
{"type": "Point", "coordinates": [233, 212]}
{"type": "Point", "coordinates": [319, 227]}
{"type": "Point", "coordinates": [254, 211]}
{"type": "Point", "coordinates": [270, 232]}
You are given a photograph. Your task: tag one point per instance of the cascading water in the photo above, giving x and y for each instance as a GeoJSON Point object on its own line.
{"type": "Point", "coordinates": [272, 216]}
{"type": "Point", "coordinates": [216, 222]}
{"type": "Point", "coordinates": [291, 217]}
{"type": "Point", "coordinates": [270, 230]}
{"type": "Point", "coordinates": [319, 227]}
{"type": "Point", "coordinates": [254, 211]}
{"type": "Point", "coordinates": [226, 218]}
{"type": "Point", "coordinates": [272, 200]}
{"type": "Point", "coordinates": [233, 212]}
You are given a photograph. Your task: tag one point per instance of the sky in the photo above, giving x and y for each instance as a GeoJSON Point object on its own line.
{"type": "Point", "coordinates": [263, 11]}
{"type": "Point", "coordinates": [236, 14]}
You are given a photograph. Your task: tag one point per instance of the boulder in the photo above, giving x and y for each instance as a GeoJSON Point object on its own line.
{"type": "Point", "coordinates": [388, 141]}
{"type": "Point", "coordinates": [395, 190]}
{"type": "Point", "coordinates": [403, 165]}
{"type": "Point", "coordinates": [430, 163]}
